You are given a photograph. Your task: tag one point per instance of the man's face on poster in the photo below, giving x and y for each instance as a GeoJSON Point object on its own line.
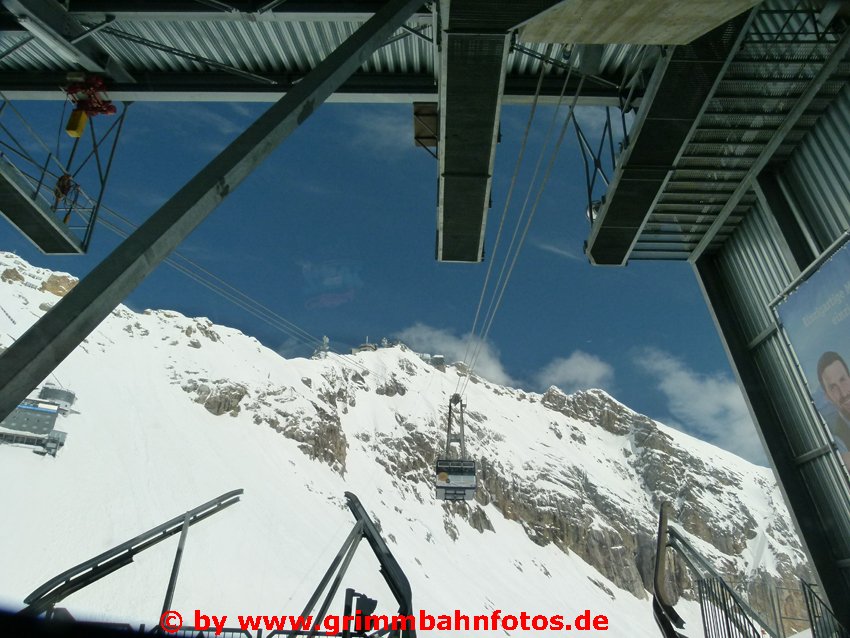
{"type": "Point", "coordinates": [836, 384]}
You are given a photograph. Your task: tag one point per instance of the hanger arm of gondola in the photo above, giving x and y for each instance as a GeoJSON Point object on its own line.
{"type": "Point", "coordinates": [455, 475]}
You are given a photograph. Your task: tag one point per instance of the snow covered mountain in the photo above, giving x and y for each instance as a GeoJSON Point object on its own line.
{"type": "Point", "coordinates": [173, 411]}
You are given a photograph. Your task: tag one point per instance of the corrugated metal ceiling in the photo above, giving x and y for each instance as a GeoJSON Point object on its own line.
{"type": "Point", "coordinates": [278, 47]}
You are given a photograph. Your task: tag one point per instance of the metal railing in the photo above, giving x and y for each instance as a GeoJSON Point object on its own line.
{"type": "Point", "coordinates": [70, 190]}
{"type": "Point", "coordinates": [722, 614]}
{"type": "Point", "coordinates": [824, 622]}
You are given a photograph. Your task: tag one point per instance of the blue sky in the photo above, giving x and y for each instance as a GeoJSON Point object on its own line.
{"type": "Point", "coordinates": [335, 232]}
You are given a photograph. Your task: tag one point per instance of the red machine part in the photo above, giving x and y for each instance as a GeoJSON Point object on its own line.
{"type": "Point", "coordinates": [89, 95]}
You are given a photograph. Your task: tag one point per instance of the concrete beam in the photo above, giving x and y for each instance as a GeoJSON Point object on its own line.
{"type": "Point", "coordinates": [665, 22]}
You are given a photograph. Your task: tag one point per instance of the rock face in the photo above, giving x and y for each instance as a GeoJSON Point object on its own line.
{"type": "Point", "coordinates": [608, 532]}
{"type": "Point", "coordinates": [218, 397]}
{"type": "Point", "coordinates": [581, 475]}
{"type": "Point", "coordinates": [581, 472]}
{"type": "Point", "coordinates": [11, 275]}
{"type": "Point", "coordinates": [59, 285]}
{"type": "Point", "coordinates": [558, 502]}
{"type": "Point", "coordinates": [590, 482]}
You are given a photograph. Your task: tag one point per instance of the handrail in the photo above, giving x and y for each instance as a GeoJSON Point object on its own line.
{"type": "Point", "coordinates": [681, 545]}
{"type": "Point", "coordinates": [662, 609]}
{"type": "Point", "coordinates": [87, 572]}
{"type": "Point", "coordinates": [733, 615]}
{"type": "Point", "coordinates": [824, 624]}
{"type": "Point", "coordinates": [390, 569]}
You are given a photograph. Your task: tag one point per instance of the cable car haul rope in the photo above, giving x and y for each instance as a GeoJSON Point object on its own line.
{"type": "Point", "coordinates": [455, 476]}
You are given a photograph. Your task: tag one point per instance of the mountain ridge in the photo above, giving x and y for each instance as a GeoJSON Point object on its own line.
{"type": "Point", "coordinates": [580, 475]}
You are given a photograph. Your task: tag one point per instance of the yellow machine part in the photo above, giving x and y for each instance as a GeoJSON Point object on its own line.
{"type": "Point", "coordinates": [76, 123]}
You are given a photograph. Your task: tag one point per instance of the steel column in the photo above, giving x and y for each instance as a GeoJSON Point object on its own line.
{"type": "Point", "coordinates": [30, 359]}
{"type": "Point", "coordinates": [813, 525]}
{"type": "Point", "coordinates": [771, 198]}
{"type": "Point", "coordinates": [175, 568]}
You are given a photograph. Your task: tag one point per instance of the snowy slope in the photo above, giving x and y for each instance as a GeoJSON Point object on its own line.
{"type": "Point", "coordinates": [145, 446]}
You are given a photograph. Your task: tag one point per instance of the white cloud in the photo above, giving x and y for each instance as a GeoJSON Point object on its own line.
{"type": "Point", "coordinates": [557, 250]}
{"type": "Point", "coordinates": [579, 371]}
{"type": "Point", "coordinates": [251, 111]}
{"type": "Point", "coordinates": [188, 119]}
{"type": "Point", "coordinates": [709, 407]}
{"type": "Point", "coordinates": [576, 372]}
{"type": "Point", "coordinates": [292, 348]}
{"type": "Point", "coordinates": [592, 120]}
{"type": "Point", "coordinates": [423, 338]}
{"type": "Point", "coordinates": [384, 130]}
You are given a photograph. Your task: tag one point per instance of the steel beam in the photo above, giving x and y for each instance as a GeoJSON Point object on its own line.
{"type": "Point", "coordinates": [472, 76]}
{"type": "Point", "coordinates": [790, 232]}
{"type": "Point", "coordinates": [474, 49]}
{"type": "Point", "coordinates": [194, 11]}
{"type": "Point", "coordinates": [86, 573]}
{"type": "Point", "coordinates": [670, 117]}
{"type": "Point", "coordinates": [53, 337]}
{"type": "Point", "coordinates": [50, 23]}
{"type": "Point", "coordinates": [213, 86]}
{"type": "Point", "coordinates": [836, 57]}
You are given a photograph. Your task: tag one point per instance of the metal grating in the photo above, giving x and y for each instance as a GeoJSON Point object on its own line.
{"type": "Point", "coordinates": [684, 78]}
{"type": "Point", "coordinates": [780, 54]}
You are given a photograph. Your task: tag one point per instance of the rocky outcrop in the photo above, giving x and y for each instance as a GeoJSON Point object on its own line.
{"type": "Point", "coordinates": [315, 425]}
{"type": "Point", "coordinates": [59, 285]}
{"type": "Point", "coordinates": [555, 502]}
{"type": "Point", "coordinates": [218, 397]}
{"type": "Point", "coordinates": [571, 524]}
{"type": "Point", "coordinates": [321, 438]}
{"type": "Point", "coordinates": [202, 327]}
{"type": "Point", "coordinates": [594, 407]}
{"type": "Point", "coordinates": [391, 387]}
{"type": "Point", "coordinates": [11, 275]}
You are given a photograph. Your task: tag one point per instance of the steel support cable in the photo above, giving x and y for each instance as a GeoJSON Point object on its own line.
{"type": "Point", "coordinates": [257, 309]}
{"type": "Point", "coordinates": [8, 104]}
{"type": "Point", "coordinates": [546, 176]}
{"type": "Point", "coordinates": [273, 319]}
{"type": "Point", "coordinates": [305, 336]}
{"type": "Point", "coordinates": [220, 291]}
{"type": "Point", "coordinates": [269, 318]}
{"type": "Point", "coordinates": [194, 57]}
{"type": "Point", "coordinates": [267, 315]}
{"type": "Point", "coordinates": [540, 157]}
{"type": "Point", "coordinates": [505, 210]}
{"type": "Point", "coordinates": [500, 282]}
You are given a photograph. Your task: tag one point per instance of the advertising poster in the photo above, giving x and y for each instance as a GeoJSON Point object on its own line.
{"type": "Point", "coordinates": [816, 318]}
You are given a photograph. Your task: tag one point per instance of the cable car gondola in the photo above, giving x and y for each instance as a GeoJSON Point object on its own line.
{"type": "Point", "coordinates": [455, 477]}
